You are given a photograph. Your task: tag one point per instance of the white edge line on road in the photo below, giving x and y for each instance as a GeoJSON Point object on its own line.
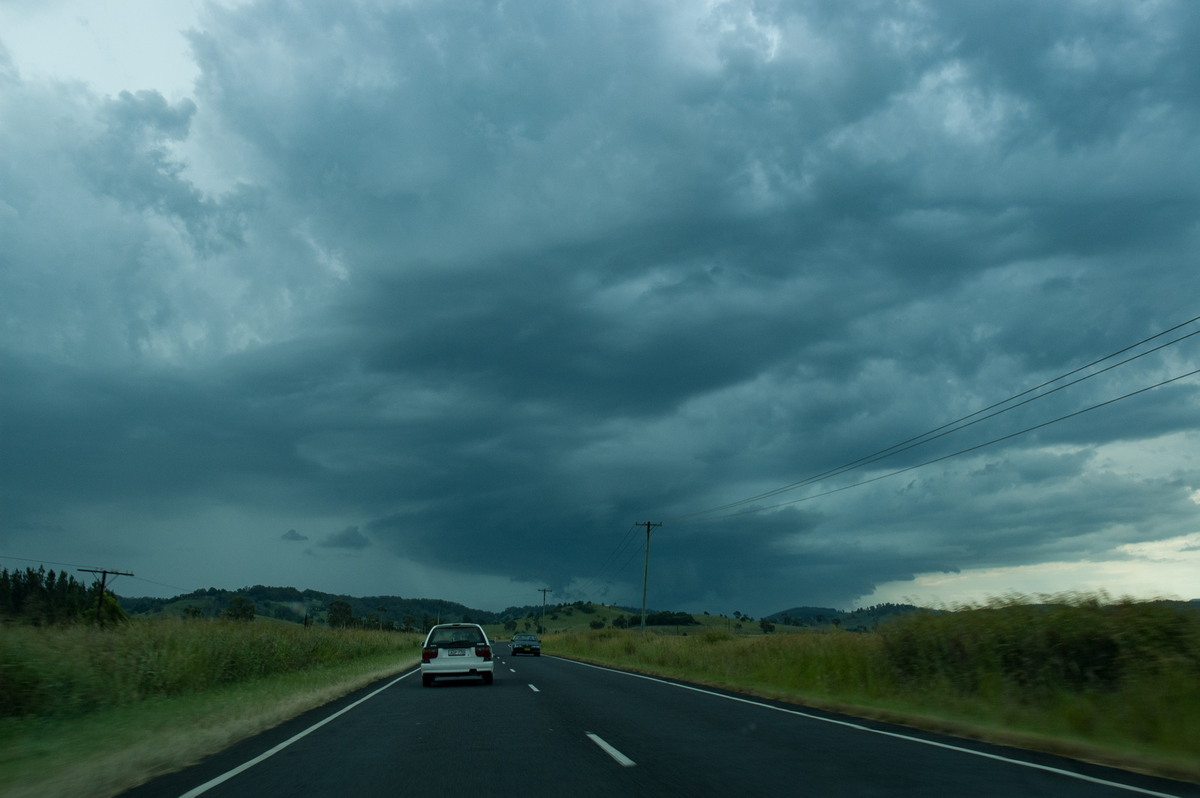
{"type": "Point", "coordinates": [224, 777]}
{"type": "Point", "coordinates": [534, 689]}
{"type": "Point", "coordinates": [621, 759]}
{"type": "Point", "coordinates": [859, 727]}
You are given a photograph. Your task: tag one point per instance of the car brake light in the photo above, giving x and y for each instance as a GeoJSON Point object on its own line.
{"type": "Point", "coordinates": [428, 653]}
{"type": "Point", "coordinates": [484, 651]}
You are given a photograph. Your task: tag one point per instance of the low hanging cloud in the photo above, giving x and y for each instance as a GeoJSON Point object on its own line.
{"type": "Point", "coordinates": [485, 290]}
{"type": "Point", "coordinates": [348, 538]}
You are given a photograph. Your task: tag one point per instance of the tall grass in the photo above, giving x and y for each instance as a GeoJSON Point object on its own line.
{"type": "Point", "coordinates": [1120, 673]}
{"type": "Point", "coordinates": [814, 664]}
{"type": "Point", "coordinates": [74, 670]}
{"type": "Point", "coordinates": [88, 712]}
{"type": "Point", "coordinates": [1113, 677]}
{"type": "Point", "coordinates": [1122, 677]}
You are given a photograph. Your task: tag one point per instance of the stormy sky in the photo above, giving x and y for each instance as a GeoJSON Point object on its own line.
{"type": "Point", "coordinates": [443, 298]}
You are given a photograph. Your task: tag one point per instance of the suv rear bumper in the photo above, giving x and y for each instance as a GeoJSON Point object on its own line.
{"type": "Point", "coordinates": [454, 669]}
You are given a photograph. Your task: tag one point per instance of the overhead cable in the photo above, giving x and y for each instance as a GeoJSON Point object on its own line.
{"type": "Point", "coordinates": [969, 448]}
{"type": "Point", "coordinates": [961, 423]}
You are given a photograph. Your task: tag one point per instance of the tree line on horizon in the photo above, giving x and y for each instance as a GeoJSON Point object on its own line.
{"type": "Point", "coordinates": [310, 606]}
{"type": "Point", "coordinates": [397, 613]}
{"type": "Point", "coordinates": [37, 597]}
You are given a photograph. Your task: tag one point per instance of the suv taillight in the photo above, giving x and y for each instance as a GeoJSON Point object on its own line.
{"type": "Point", "coordinates": [482, 650]}
{"type": "Point", "coordinates": [428, 653]}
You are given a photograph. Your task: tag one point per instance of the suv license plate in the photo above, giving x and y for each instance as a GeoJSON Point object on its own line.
{"type": "Point", "coordinates": [456, 652]}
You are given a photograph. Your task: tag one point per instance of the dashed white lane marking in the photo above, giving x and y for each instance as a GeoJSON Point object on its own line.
{"type": "Point", "coordinates": [896, 735]}
{"type": "Point", "coordinates": [621, 759]}
{"type": "Point", "coordinates": [534, 689]}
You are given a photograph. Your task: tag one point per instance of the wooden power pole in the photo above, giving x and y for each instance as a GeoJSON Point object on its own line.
{"type": "Point", "coordinates": [104, 573]}
{"type": "Point", "coordinates": [646, 569]}
{"type": "Point", "coordinates": [544, 591]}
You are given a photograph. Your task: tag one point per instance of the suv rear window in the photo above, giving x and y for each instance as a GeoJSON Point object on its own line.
{"type": "Point", "coordinates": [465, 636]}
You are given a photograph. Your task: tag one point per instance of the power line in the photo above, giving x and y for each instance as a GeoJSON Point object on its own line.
{"type": "Point", "coordinates": [630, 556]}
{"type": "Point", "coordinates": [948, 429]}
{"type": "Point", "coordinates": [958, 424]}
{"type": "Point", "coordinates": [43, 562]}
{"type": "Point", "coordinates": [991, 411]}
{"type": "Point", "coordinates": [80, 567]}
{"type": "Point", "coordinates": [587, 586]}
{"type": "Point", "coordinates": [969, 448]}
{"type": "Point", "coordinates": [163, 584]}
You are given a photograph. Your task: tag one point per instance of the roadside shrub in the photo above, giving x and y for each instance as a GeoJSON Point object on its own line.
{"type": "Point", "coordinates": [1028, 650]}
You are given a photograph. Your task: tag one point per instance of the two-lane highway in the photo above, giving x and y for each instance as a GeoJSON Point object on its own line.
{"type": "Point", "coordinates": [550, 726]}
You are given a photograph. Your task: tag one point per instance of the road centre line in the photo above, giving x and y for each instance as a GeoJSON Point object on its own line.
{"type": "Point", "coordinates": [621, 759]}
{"type": "Point", "coordinates": [860, 727]}
{"type": "Point", "coordinates": [224, 777]}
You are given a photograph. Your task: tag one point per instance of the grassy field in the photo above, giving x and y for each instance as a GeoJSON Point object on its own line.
{"type": "Point", "coordinates": [89, 712]}
{"type": "Point", "coordinates": [1117, 683]}
{"type": "Point", "coordinates": [572, 618]}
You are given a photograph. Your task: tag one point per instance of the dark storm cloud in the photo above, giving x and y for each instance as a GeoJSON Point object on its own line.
{"type": "Point", "coordinates": [348, 538]}
{"type": "Point", "coordinates": [292, 534]}
{"type": "Point", "coordinates": [131, 162]}
{"type": "Point", "coordinates": [481, 286]}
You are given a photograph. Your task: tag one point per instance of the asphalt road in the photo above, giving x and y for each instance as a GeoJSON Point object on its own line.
{"type": "Point", "coordinates": [553, 727]}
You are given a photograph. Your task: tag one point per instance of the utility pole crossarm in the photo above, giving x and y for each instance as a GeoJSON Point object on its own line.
{"type": "Point", "coordinates": [646, 570]}
{"type": "Point", "coordinates": [104, 574]}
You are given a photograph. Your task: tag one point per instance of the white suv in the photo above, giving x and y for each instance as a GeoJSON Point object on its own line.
{"type": "Point", "coordinates": [456, 649]}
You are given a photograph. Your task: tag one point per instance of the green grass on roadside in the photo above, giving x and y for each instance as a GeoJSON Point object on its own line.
{"type": "Point", "coordinates": [74, 670]}
{"type": "Point", "coordinates": [1118, 683]}
{"type": "Point", "coordinates": [112, 750]}
{"type": "Point", "coordinates": [87, 712]}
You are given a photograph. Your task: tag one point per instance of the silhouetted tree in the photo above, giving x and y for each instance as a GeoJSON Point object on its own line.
{"type": "Point", "coordinates": [40, 598]}
{"type": "Point", "coordinates": [340, 615]}
{"type": "Point", "coordinates": [239, 609]}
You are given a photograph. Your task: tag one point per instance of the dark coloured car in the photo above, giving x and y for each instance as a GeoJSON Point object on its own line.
{"type": "Point", "coordinates": [526, 644]}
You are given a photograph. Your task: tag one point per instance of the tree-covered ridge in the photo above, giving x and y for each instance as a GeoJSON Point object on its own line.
{"type": "Point", "coordinates": [863, 619]}
{"type": "Point", "coordinates": [313, 606]}
{"type": "Point", "coordinates": [38, 597]}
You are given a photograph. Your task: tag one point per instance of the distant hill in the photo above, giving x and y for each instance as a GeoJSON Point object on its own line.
{"type": "Point", "coordinates": [391, 612]}
{"type": "Point", "coordinates": [864, 619]}
{"type": "Point", "coordinates": [868, 618]}
{"type": "Point", "coordinates": [804, 613]}
{"type": "Point", "coordinates": [291, 604]}
{"type": "Point", "coordinates": [396, 612]}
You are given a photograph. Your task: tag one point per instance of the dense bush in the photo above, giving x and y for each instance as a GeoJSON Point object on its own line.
{"type": "Point", "coordinates": [1024, 650]}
